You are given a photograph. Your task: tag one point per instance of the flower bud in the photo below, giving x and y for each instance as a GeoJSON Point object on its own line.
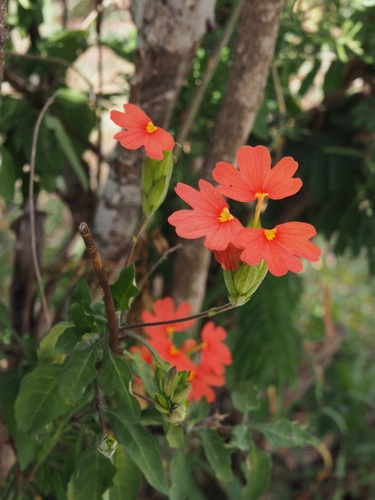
{"type": "Point", "coordinates": [242, 284]}
{"type": "Point", "coordinates": [161, 403]}
{"type": "Point", "coordinates": [178, 414]}
{"type": "Point", "coordinates": [108, 446]}
{"type": "Point", "coordinates": [170, 381]}
{"type": "Point", "coordinates": [181, 393]}
{"type": "Point", "coordinates": [155, 182]}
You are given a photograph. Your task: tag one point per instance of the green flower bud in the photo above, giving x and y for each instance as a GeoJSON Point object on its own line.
{"type": "Point", "coordinates": [178, 414]}
{"type": "Point", "coordinates": [181, 393]}
{"type": "Point", "coordinates": [159, 373]}
{"type": "Point", "coordinates": [108, 446]}
{"type": "Point", "coordinates": [162, 403]}
{"type": "Point", "coordinates": [170, 381]}
{"type": "Point", "coordinates": [156, 175]}
{"type": "Point", "coordinates": [243, 283]}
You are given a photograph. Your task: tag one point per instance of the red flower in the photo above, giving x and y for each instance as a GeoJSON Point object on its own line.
{"type": "Point", "coordinates": [255, 178]}
{"type": "Point", "coordinates": [140, 131]}
{"type": "Point", "coordinates": [214, 354]}
{"type": "Point", "coordinates": [228, 258]}
{"type": "Point", "coordinates": [164, 310]}
{"type": "Point", "coordinates": [280, 246]}
{"type": "Point", "coordinates": [210, 216]}
{"type": "Point", "coordinates": [202, 382]}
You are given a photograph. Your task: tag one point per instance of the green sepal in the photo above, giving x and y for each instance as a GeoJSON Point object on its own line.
{"type": "Point", "coordinates": [243, 283]}
{"type": "Point", "coordinates": [156, 175]}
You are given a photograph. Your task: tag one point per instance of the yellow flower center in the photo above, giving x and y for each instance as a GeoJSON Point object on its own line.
{"type": "Point", "coordinates": [150, 128]}
{"type": "Point", "coordinates": [173, 351]}
{"type": "Point", "coordinates": [270, 234]}
{"type": "Point", "coordinates": [258, 194]}
{"type": "Point", "coordinates": [196, 348]}
{"type": "Point", "coordinates": [225, 215]}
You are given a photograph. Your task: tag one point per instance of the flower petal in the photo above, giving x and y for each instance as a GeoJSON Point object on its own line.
{"type": "Point", "coordinates": [281, 182]}
{"type": "Point", "coordinates": [232, 183]}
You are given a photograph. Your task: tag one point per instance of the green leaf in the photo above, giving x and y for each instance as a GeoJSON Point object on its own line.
{"type": "Point", "coordinates": [9, 386]}
{"type": "Point", "coordinates": [245, 397]}
{"type": "Point", "coordinates": [124, 289]}
{"type": "Point", "coordinates": [46, 350]}
{"type": "Point", "coordinates": [127, 478]}
{"type": "Point", "coordinates": [93, 476]}
{"type": "Point", "coordinates": [175, 436]}
{"type": "Point", "coordinates": [257, 471]}
{"type": "Point", "coordinates": [142, 448]}
{"type": "Point", "coordinates": [8, 174]}
{"type": "Point", "coordinates": [218, 455]}
{"type": "Point", "coordinates": [144, 371]}
{"type": "Point", "coordinates": [67, 147]}
{"type": "Point", "coordinates": [68, 340]}
{"type": "Point", "coordinates": [39, 402]}
{"type": "Point", "coordinates": [25, 445]}
{"type": "Point", "coordinates": [81, 294]}
{"type": "Point", "coordinates": [285, 434]}
{"type": "Point", "coordinates": [180, 477]}
{"type": "Point", "coordinates": [242, 437]}
{"type": "Point", "coordinates": [82, 320]}
{"type": "Point", "coordinates": [77, 373]}
{"type": "Point", "coordinates": [115, 374]}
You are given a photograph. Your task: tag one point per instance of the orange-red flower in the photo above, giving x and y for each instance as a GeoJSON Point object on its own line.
{"type": "Point", "coordinates": [228, 258]}
{"type": "Point", "coordinates": [210, 216]}
{"type": "Point", "coordinates": [140, 131]}
{"type": "Point", "coordinates": [214, 354]}
{"type": "Point", "coordinates": [280, 246]}
{"type": "Point", "coordinates": [202, 382]}
{"type": "Point", "coordinates": [164, 310]}
{"type": "Point", "coordinates": [205, 360]}
{"type": "Point", "coordinates": [255, 178]}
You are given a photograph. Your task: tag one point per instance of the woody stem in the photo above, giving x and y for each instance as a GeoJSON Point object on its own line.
{"type": "Point", "coordinates": [101, 275]}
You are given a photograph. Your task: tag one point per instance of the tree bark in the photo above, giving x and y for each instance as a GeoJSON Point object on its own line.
{"type": "Point", "coordinates": [169, 32]}
{"type": "Point", "coordinates": [3, 37]}
{"type": "Point", "coordinates": [252, 56]}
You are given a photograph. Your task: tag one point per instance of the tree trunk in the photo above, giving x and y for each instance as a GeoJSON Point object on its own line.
{"type": "Point", "coordinates": [3, 37]}
{"type": "Point", "coordinates": [252, 55]}
{"type": "Point", "coordinates": [169, 32]}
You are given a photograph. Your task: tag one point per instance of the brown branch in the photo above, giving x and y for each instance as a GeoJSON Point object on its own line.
{"type": "Point", "coordinates": [3, 36]}
{"type": "Point", "coordinates": [114, 343]}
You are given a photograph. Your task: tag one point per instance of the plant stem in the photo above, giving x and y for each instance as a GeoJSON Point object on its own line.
{"type": "Point", "coordinates": [34, 251]}
{"type": "Point", "coordinates": [205, 314]}
{"type": "Point", "coordinates": [141, 226]}
{"type": "Point", "coordinates": [114, 342]}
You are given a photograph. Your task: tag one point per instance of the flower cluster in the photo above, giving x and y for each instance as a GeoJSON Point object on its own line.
{"type": "Point", "coordinates": [280, 247]}
{"type": "Point", "coordinates": [205, 360]}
